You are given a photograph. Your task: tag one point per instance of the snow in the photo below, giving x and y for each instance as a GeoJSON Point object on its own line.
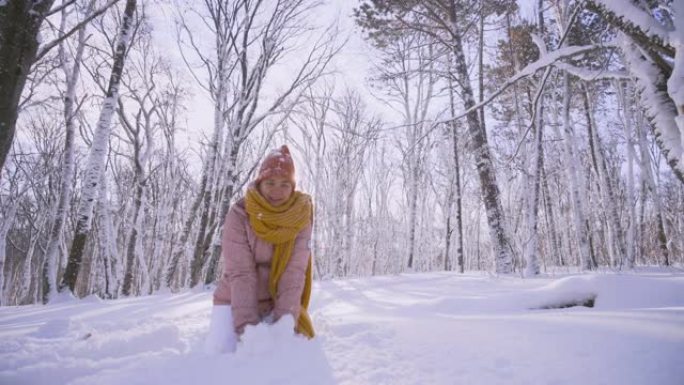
{"type": "Point", "coordinates": [675, 84]}
{"type": "Point", "coordinates": [590, 75]}
{"type": "Point", "coordinates": [628, 11]}
{"type": "Point", "coordinates": [655, 102]}
{"type": "Point", "coordinates": [432, 328]}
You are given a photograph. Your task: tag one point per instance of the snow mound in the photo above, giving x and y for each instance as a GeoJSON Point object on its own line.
{"type": "Point", "coordinates": [274, 354]}
{"type": "Point", "coordinates": [614, 291]}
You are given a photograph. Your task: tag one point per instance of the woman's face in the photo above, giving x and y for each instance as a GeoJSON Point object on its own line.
{"type": "Point", "coordinates": [276, 189]}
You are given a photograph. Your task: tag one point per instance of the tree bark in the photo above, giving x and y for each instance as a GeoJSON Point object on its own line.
{"type": "Point", "coordinates": [4, 229]}
{"type": "Point", "coordinates": [98, 153]}
{"type": "Point", "coordinates": [20, 23]}
{"type": "Point", "coordinates": [649, 180]}
{"type": "Point", "coordinates": [573, 171]}
{"type": "Point", "coordinates": [67, 171]}
{"type": "Point", "coordinates": [457, 179]}
{"type": "Point", "coordinates": [628, 128]}
{"type": "Point", "coordinates": [483, 158]}
{"type": "Point", "coordinates": [617, 243]}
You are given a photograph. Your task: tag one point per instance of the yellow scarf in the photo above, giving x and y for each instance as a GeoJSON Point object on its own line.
{"type": "Point", "coordinates": [279, 226]}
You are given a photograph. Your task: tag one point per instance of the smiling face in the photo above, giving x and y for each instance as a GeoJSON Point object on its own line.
{"type": "Point", "coordinates": [276, 189]}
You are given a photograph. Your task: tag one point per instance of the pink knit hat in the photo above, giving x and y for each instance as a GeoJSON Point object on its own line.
{"type": "Point", "coordinates": [277, 163]}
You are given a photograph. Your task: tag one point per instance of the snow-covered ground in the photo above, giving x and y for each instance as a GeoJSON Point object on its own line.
{"type": "Point", "coordinates": [438, 328]}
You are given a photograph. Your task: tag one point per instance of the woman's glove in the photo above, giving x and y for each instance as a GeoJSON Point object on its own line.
{"type": "Point", "coordinates": [221, 337]}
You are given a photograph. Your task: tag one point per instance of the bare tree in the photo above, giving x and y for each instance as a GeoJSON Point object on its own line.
{"type": "Point", "coordinates": [71, 74]}
{"type": "Point", "coordinates": [98, 152]}
{"type": "Point", "coordinates": [353, 133]}
{"type": "Point", "coordinates": [311, 118]}
{"type": "Point", "coordinates": [649, 185]}
{"type": "Point", "coordinates": [606, 185]}
{"type": "Point", "coordinates": [139, 128]}
{"type": "Point", "coordinates": [628, 127]}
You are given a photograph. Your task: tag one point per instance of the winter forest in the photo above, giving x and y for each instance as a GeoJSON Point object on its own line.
{"type": "Point", "coordinates": [511, 137]}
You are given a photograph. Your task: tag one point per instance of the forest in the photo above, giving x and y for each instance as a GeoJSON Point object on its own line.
{"type": "Point", "coordinates": [501, 136]}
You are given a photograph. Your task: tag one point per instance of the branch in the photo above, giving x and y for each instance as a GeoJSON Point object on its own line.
{"type": "Point", "coordinates": [635, 23]}
{"type": "Point", "coordinates": [47, 47]}
{"type": "Point", "coordinates": [60, 8]}
{"type": "Point", "coordinates": [550, 59]}
{"type": "Point", "coordinates": [591, 75]}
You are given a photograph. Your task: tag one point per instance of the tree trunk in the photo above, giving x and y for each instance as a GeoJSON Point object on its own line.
{"type": "Point", "coordinates": [532, 243]}
{"type": "Point", "coordinates": [133, 239]}
{"type": "Point", "coordinates": [211, 188]}
{"type": "Point", "coordinates": [8, 220]}
{"type": "Point", "coordinates": [20, 23]}
{"type": "Point", "coordinates": [457, 179]}
{"type": "Point", "coordinates": [413, 211]}
{"type": "Point", "coordinates": [649, 180]}
{"type": "Point", "coordinates": [617, 240]}
{"type": "Point", "coordinates": [98, 153]}
{"type": "Point", "coordinates": [185, 234]}
{"type": "Point", "coordinates": [628, 125]}
{"type": "Point", "coordinates": [226, 197]}
{"type": "Point", "coordinates": [551, 219]}
{"type": "Point", "coordinates": [65, 191]}
{"type": "Point", "coordinates": [200, 253]}
{"type": "Point", "coordinates": [107, 244]}
{"type": "Point", "coordinates": [483, 158]}
{"type": "Point", "coordinates": [573, 171]}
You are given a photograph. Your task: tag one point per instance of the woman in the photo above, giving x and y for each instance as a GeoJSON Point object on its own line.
{"type": "Point", "coordinates": [266, 256]}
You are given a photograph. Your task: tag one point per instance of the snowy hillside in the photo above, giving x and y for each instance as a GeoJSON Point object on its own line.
{"type": "Point", "coordinates": [438, 328]}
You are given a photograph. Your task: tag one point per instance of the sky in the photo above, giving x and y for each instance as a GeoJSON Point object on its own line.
{"type": "Point", "coordinates": [351, 65]}
{"type": "Point", "coordinates": [429, 328]}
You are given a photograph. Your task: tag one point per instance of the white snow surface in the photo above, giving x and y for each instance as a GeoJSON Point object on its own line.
{"type": "Point", "coordinates": [432, 328]}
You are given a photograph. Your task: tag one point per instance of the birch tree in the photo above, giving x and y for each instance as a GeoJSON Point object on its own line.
{"type": "Point", "coordinates": [628, 127]}
{"type": "Point", "coordinates": [71, 73]}
{"type": "Point", "coordinates": [457, 188]}
{"type": "Point", "coordinates": [170, 106]}
{"type": "Point", "coordinates": [96, 158]}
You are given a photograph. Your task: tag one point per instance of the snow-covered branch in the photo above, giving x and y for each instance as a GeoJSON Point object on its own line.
{"type": "Point", "coordinates": [589, 75]}
{"type": "Point", "coordinates": [550, 59]}
{"type": "Point", "coordinates": [660, 108]}
{"type": "Point", "coordinates": [643, 25]}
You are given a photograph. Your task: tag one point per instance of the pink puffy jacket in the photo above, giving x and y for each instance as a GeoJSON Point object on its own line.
{"type": "Point", "coordinates": [247, 264]}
